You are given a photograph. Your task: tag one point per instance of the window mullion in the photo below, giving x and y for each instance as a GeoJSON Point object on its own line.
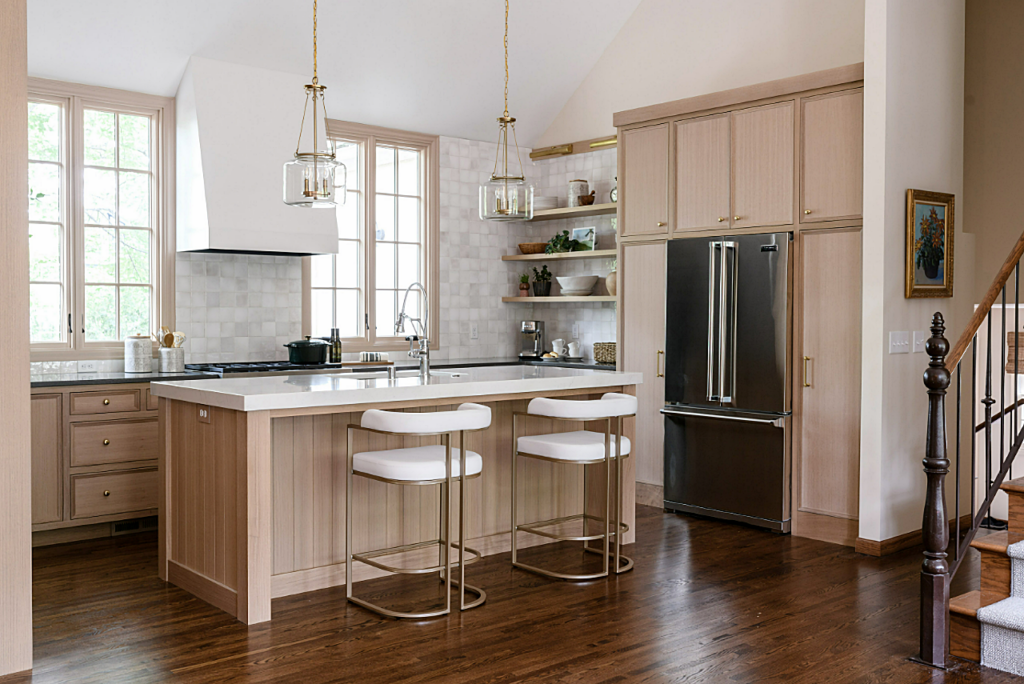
{"type": "Point", "coordinates": [369, 231]}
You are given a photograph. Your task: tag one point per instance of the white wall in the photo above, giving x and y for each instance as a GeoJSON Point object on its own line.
{"type": "Point", "coordinates": [671, 49]}
{"type": "Point", "coordinates": [913, 138]}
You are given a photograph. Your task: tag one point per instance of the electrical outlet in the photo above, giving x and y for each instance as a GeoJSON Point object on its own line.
{"type": "Point", "coordinates": [474, 331]}
{"type": "Point", "coordinates": [204, 414]}
{"type": "Point", "coordinates": [919, 339]}
{"type": "Point", "coordinates": [899, 342]}
{"type": "Point", "coordinates": [575, 331]}
{"type": "Point", "coordinates": [88, 366]}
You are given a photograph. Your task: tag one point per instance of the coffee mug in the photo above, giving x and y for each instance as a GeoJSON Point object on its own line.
{"type": "Point", "coordinates": [558, 346]}
{"type": "Point", "coordinates": [574, 350]}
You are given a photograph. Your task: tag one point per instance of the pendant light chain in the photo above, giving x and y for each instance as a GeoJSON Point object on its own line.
{"type": "Point", "coordinates": [506, 59]}
{"type": "Point", "coordinates": [315, 80]}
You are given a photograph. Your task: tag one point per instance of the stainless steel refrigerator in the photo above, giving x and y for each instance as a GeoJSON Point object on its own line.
{"type": "Point", "coordinates": [727, 378]}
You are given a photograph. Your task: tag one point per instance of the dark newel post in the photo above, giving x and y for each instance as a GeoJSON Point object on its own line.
{"type": "Point", "coordinates": [935, 569]}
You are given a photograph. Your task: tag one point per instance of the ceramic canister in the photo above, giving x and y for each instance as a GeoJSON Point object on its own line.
{"type": "Point", "coordinates": [172, 359]}
{"type": "Point", "coordinates": [577, 188]}
{"type": "Point", "coordinates": [138, 354]}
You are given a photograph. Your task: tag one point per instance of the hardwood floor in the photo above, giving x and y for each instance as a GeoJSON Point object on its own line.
{"type": "Point", "coordinates": [707, 602]}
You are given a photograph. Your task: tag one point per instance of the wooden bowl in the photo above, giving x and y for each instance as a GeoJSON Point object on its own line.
{"type": "Point", "coordinates": [586, 200]}
{"type": "Point", "coordinates": [532, 247]}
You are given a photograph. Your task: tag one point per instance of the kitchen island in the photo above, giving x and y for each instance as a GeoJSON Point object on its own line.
{"type": "Point", "coordinates": [252, 474]}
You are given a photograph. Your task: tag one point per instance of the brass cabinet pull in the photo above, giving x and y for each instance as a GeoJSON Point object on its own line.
{"type": "Point", "coordinates": [658, 373]}
{"type": "Point", "coordinates": [106, 493]}
{"type": "Point", "coordinates": [721, 218]}
{"type": "Point", "coordinates": [106, 402]}
{"type": "Point", "coordinates": [806, 360]}
{"type": "Point", "coordinates": [106, 442]}
{"type": "Point", "coordinates": [807, 211]}
{"type": "Point", "coordinates": [661, 223]}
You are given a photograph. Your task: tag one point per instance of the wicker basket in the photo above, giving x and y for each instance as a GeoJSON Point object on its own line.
{"type": "Point", "coordinates": [604, 352]}
{"type": "Point", "coordinates": [532, 247]}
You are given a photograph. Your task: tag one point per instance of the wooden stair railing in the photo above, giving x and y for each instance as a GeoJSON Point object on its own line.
{"type": "Point", "coordinates": [937, 569]}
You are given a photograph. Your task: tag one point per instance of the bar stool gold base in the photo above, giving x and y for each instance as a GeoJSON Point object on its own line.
{"type": "Point", "coordinates": [624, 564]}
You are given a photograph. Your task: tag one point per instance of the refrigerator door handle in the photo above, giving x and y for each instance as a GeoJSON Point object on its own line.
{"type": "Point", "coordinates": [777, 422]}
{"type": "Point", "coordinates": [712, 395]}
{"type": "Point", "coordinates": [727, 324]}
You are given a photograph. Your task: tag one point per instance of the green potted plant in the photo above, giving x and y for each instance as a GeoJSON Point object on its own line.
{"type": "Point", "coordinates": [541, 281]}
{"type": "Point", "coordinates": [561, 242]}
{"type": "Point", "coordinates": [524, 285]}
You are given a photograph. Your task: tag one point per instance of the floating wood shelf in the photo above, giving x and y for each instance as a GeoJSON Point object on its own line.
{"type": "Point", "coordinates": [544, 300]}
{"type": "Point", "coordinates": [591, 254]}
{"type": "Point", "coordinates": [574, 212]}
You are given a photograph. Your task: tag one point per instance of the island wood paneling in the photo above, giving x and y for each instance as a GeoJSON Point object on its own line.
{"type": "Point", "coordinates": [249, 498]}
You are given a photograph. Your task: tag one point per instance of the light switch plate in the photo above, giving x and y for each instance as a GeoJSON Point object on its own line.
{"type": "Point", "coordinates": [899, 342]}
{"type": "Point", "coordinates": [88, 366]}
{"type": "Point", "coordinates": [919, 339]}
{"type": "Point", "coordinates": [474, 331]}
{"type": "Point", "coordinates": [204, 414]}
{"type": "Point", "coordinates": [575, 331]}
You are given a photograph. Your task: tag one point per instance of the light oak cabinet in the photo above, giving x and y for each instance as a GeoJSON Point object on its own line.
{"type": "Point", "coordinates": [47, 458]}
{"type": "Point", "coordinates": [702, 173]}
{"type": "Point", "coordinates": [643, 340]}
{"type": "Point", "coordinates": [832, 156]}
{"type": "Point", "coordinates": [829, 375]}
{"type": "Point", "coordinates": [645, 186]}
{"type": "Point", "coordinates": [763, 153]}
{"type": "Point", "coordinates": [95, 451]}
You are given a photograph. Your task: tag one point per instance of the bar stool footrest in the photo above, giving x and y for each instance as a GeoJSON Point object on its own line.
{"type": "Point", "coordinates": [535, 528]}
{"type": "Point", "coordinates": [367, 558]}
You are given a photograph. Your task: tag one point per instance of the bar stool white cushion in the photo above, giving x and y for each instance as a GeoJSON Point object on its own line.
{"type": "Point", "coordinates": [582, 445]}
{"type": "Point", "coordinates": [466, 417]}
{"type": "Point", "coordinates": [414, 464]}
{"type": "Point", "coordinates": [611, 405]}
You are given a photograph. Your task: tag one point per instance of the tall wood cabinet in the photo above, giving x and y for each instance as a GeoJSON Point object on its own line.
{"type": "Point", "coordinates": [785, 155]}
{"type": "Point", "coordinates": [827, 469]}
{"type": "Point", "coordinates": [643, 283]}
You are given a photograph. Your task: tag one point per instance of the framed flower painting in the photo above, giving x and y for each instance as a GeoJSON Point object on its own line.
{"type": "Point", "coordinates": [929, 244]}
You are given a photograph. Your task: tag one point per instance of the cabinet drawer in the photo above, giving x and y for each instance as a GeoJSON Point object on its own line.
{"type": "Point", "coordinates": [110, 493]}
{"type": "Point", "coordinates": [116, 401]}
{"type": "Point", "coordinates": [114, 441]}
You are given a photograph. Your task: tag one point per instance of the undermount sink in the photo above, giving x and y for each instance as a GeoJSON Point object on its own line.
{"type": "Point", "coordinates": [406, 373]}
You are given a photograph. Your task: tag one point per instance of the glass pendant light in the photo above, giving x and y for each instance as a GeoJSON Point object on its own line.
{"type": "Point", "coordinates": [314, 177]}
{"type": "Point", "coordinates": [504, 196]}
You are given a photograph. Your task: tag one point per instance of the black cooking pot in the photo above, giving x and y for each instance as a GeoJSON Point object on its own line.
{"type": "Point", "coordinates": [307, 351]}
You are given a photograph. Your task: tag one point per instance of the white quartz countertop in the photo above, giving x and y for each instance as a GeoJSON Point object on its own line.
{"type": "Point", "coordinates": [344, 389]}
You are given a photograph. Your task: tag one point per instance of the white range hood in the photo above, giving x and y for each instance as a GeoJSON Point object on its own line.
{"type": "Point", "coordinates": [236, 126]}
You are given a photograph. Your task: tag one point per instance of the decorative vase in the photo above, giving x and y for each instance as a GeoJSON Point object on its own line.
{"type": "Point", "coordinates": [931, 269]}
{"type": "Point", "coordinates": [524, 290]}
{"type": "Point", "coordinates": [577, 188]}
{"type": "Point", "coordinates": [611, 282]}
{"type": "Point", "coordinates": [542, 289]}
{"type": "Point", "coordinates": [172, 359]}
{"type": "Point", "coordinates": [138, 354]}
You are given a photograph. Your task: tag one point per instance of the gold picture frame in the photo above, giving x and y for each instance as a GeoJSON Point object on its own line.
{"type": "Point", "coordinates": [930, 232]}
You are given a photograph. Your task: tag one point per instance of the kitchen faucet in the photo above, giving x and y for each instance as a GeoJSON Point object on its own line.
{"type": "Point", "coordinates": [422, 352]}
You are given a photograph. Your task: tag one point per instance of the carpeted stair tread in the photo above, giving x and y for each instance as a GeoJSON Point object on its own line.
{"type": "Point", "coordinates": [966, 604]}
{"type": "Point", "coordinates": [1008, 614]}
{"type": "Point", "coordinates": [997, 542]}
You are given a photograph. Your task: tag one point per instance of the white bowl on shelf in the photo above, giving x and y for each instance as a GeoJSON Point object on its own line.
{"type": "Point", "coordinates": [576, 286]}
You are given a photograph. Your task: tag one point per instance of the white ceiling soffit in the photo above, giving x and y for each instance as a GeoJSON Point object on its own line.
{"type": "Point", "coordinates": [431, 66]}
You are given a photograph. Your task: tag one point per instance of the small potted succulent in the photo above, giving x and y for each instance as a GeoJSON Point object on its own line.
{"type": "Point", "coordinates": [541, 281]}
{"type": "Point", "coordinates": [524, 285]}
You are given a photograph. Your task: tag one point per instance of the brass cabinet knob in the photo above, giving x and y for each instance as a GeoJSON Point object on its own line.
{"type": "Point", "coordinates": [661, 223]}
{"type": "Point", "coordinates": [106, 493]}
{"type": "Point", "coordinates": [721, 218]}
{"type": "Point", "coordinates": [807, 211]}
{"type": "Point", "coordinates": [106, 442]}
{"type": "Point", "coordinates": [106, 402]}
{"type": "Point", "coordinates": [735, 218]}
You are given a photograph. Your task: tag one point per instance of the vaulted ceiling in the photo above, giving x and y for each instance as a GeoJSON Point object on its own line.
{"type": "Point", "coordinates": [433, 66]}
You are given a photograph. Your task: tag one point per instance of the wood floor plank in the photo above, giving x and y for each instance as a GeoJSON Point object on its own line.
{"type": "Point", "coordinates": [707, 602]}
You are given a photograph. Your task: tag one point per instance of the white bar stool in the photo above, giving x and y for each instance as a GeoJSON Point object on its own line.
{"type": "Point", "coordinates": [582, 447]}
{"type": "Point", "coordinates": [416, 466]}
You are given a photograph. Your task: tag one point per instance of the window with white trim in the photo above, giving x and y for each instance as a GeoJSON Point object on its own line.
{"type": "Point", "coordinates": [96, 214]}
{"type": "Point", "coordinates": [392, 186]}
